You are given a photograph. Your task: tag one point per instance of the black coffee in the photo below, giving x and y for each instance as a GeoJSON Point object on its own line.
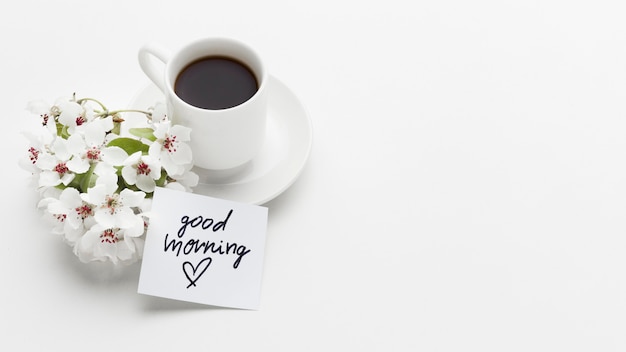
{"type": "Point", "coordinates": [215, 82]}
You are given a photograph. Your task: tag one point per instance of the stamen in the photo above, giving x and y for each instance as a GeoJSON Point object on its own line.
{"type": "Point", "coordinates": [170, 144]}
{"type": "Point", "coordinates": [143, 169]}
{"type": "Point", "coordinates": [33, 154]}
{"type": "Point", "coordinates": [61, 168]}
{"type": "Point", "coordinates": [80, 120]}
{"type": "Point", "coordinates": [93, 154]}
{"type": "Point", "coordinates": [84, 211]}
{"type": "Point", "coordinates": [108, 236]}
{"type": "Point", "coordinates": [112, 203]}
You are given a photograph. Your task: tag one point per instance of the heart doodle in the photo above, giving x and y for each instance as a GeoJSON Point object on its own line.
{"type": "Point", "coordinates": [193, 273]}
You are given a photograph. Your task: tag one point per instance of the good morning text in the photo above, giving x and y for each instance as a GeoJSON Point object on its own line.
{"type": "Point", "coordinates": [178, 245]}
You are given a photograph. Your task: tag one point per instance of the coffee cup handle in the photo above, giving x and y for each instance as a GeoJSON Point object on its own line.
{"type": "Point", "coordinates": [153, 70]}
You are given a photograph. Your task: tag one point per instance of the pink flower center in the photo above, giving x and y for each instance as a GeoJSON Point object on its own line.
{"type": "Point", "coordinates": [111, 203]}
{"type": "Point", "coordinates": [61, 168]}
{"type": "Point", "coordinates": [44, 118]}
{"type": "Point", "coordinates": [80, 120]}
{"type": "Point", "coordinates": [143, 169]}
{"type": "Point", "coordinates": [108, 236]}
{"type": "Point", "coordinates": [84, 211]}
{"type": "Point", "coordinates": [93, 154]}
{"type": "Point", "coordinates": [33, 154]}
{"type": "Point", "coordinates": [170, 144]}
{"type": "Point", "coordinates": [60, 217]}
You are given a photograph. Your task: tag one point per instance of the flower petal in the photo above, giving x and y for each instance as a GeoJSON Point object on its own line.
{"type": "Point", "coordinates": [75, 145]}
{"type": "Point", "coordinates": [132, 159]}
{"type": "Point", "coordinates": [135, 227]}
{"type": "Point", "coordinates": [129, 174]}
{"type": "Point", "coordinates": [61, 149]}
{"type": "Point", "coordinates": [131, 198]}
{"type": "Point", "coordinates": [145, 183]}
{"type": "Point", "coordinates": [67, 178]}
{"type": "Point", "coordinates": [183, 154]}
{"type": "Point", "coordinates": [38, 107]}
{"type": "Point", "coordinates": [78, 165]}
{"type": "Point", "coordinates": [105, 218]}
{"type": "Point", "coordinates": [182, 133]}
{"type": "Point", "coordinates": [69, 112]}
{"type": "Point", "coordinates": [159, 114]}
{"type": "Point", "coordinates": [125, 217]}
{"type": "Point", "coordinates": [49, 179]}
{"type": "Point", "coordinates": [46, 161]}
{"type": "Point", "coordinates": [114, 155]}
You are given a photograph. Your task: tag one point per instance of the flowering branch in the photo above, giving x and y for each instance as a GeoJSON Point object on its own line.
{"type": "Point", "coordinates": [96, 181]}
{"type": "Point", "coordinates": [83, 100]}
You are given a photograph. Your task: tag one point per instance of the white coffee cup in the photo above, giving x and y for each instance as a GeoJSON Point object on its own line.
{"type": "Point", "coordinates": [220, 139]}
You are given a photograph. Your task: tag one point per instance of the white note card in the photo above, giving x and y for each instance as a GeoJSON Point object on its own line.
{"type": "Point", "coordinates": [204, 250]}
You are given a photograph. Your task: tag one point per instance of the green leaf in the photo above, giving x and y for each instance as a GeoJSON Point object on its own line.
{"type": "Point", "coordinates": [88, 179]}
{"type": "Point", "coordinates": [129, 145]}
{"type": "Point", "coordinates": [62, 130]}
{"type": "Point", "coordinates": [161, 181]}
{"type": "Point", "coordinates": [144, 132]}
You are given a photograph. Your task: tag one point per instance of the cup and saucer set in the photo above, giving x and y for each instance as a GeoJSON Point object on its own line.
{"type": "Point", "coordinates": [248, 151]}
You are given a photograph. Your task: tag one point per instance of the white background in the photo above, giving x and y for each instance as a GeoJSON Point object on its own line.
{"type": "Point", "coordinates": [466, 189]}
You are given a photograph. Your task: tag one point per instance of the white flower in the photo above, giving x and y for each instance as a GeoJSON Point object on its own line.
{"type": "Point", "coordinates": [115, 210]}
{"type": "Point", "coordinates": [38, 145]}
{"type": "Point", "coordinates": [184, 182]}
{"type": "Point", "coordinates": [56, 220]}
{"type": "Point", "coordinates": [159, 113]}
{"type": "Point", "coordinates": [54, 169]}
{"type": "Point", "coordinates": [170, 147]}
{"type": "Point", "coordinates": [79, 162]}
{"type": "Point", "coordinates": [141, 170]}
{"type": "Point", "coordinates": [89, 148]}
{"type": "Point", "coordinates": [46, 112]}
{"type": "Point", "coordinates": [77, 215]}
{"type": "Point", "coordinates": [101, 243]}
{"type": "Point", "coordinates": [73, 115]}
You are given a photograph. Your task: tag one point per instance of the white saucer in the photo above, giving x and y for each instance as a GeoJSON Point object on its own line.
{"type": "Point", "coordinates": [280, 160]}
